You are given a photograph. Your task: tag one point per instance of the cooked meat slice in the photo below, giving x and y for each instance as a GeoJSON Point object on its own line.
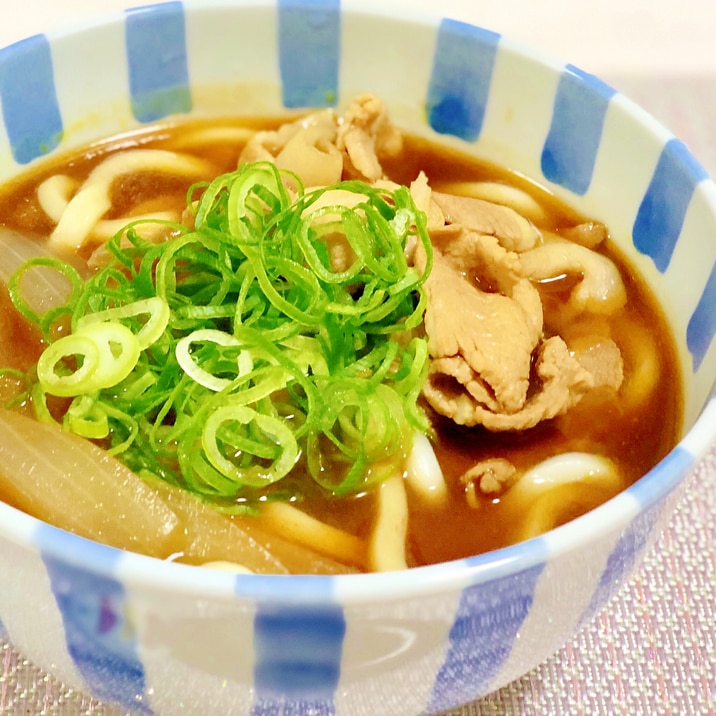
{"type": "Point", "coordinates": [603, 359]}
{"type": "Point", "coordinates": [488, 477]}
{"type": "Point", "coordinates": [560, 382]}
{"type": "Point", "coordinates": [588, 233]}
{"type": "Point", "coordinates": [484, 340]}
{"type": "Point", "coordinates": [490, 364]}
{"type": "Point", "coordinates": [320, 147]}
{"type": "Point", "coordinates": [489, 266]}
{"type": "Point", "coordinates": [511, 229]}
{"type": "Point", "coordinates": [306, 147]}
{"type": "Point", "coordinates": [422, 195]}
{"type": "Point", "coordinates": [366, 134]}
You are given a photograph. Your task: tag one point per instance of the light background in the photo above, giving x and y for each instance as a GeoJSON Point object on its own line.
{"type": "Point", "coordinates": [655, 37]}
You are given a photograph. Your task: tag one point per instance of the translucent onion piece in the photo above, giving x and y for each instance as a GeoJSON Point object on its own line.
{"type": "Point", "coordinates": [240, 540]}
{"type": "Point", "coordinates": [43, 287]}
{"type": "Point", "coordinates": [210, 536]}
{"type": "Point", "coordinates": [70, 483]}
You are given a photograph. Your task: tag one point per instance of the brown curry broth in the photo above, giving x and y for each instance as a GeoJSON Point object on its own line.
{"type": "Point", "coordinates": [635, 439]}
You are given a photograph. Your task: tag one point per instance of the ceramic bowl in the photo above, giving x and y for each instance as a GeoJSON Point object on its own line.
{"type": "Point", "coordinates": [163, 638]}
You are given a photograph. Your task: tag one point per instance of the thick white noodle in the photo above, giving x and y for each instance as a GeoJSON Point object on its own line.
{"type": "Point", "coordinates": [423, 472]}
{"type": "Point", "coordinates": [224, 566]}
{"type": "Point", "coordinates": [565, 469]}
{"type": "Point", "coordinates": [642, 354]}
{"type": "Point", "coordinates": [386, 550]}
{"type": "Point", "coordinates": [107, 228]}
{"type": "Point", "coordinates": [214, 135]}
{"type": "Point", "coordinates": [93, 200]}
{"type": "Point", "coordinates": [54, 195]}
{"type": "Point", "coordinates": [298, 526]}
{"type": "Point", "coordinates": [497, 193]}
{"type": "Point", "coordinates": [601, 289]}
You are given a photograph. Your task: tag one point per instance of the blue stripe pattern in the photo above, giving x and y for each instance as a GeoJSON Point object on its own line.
{"type": "Point", "coordinates": [628, 550]}
{"type": "Point", "coordinates": [663, 208]}
{"type": "Point", "coordinates": [303, 588]}
{"type": "Point", "coordinates": [309, 37]}
{"type": "Point", "coordinates": [298, 658]}
{"type": "Point", "coordinates": [157, 61]}
{"type": "Point", "coordinates": [29, 99]}
{"type": "Point", "coordinates": [702, 324]}
{"type": "Point", "coordinates": [99, 636]}
{"type": "Point", "coordinates": [488, 619]}
{"type": "Point", "coordinates": [460, 79]}
{"type": "Point", "coordinates": [570, 150]}
{"type": "Point", "coordinates": [622, 560]}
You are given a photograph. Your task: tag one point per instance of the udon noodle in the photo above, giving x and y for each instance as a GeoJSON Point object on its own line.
{"type": "Point", "coordinates": [336, 345]}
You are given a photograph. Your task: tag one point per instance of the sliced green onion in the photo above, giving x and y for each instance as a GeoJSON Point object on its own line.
{"type": "Point", "coordinates": [68, 275]}
{"type": "Point", "coordinates": [241, 350]}
{"type": "Point", "coordinates": [272, 429]}
{"type": "Point", "coordinates": [156, 309]}
{"type": "Point", "coordinates": [195, 371]}
{"type": "Point", "coordinates": [86, 418]}
{"type": "Point", "coordinates": [104, 354]}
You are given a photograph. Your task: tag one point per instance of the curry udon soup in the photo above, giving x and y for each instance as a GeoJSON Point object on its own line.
{"type": "Point", "coordinates": [317, 345]}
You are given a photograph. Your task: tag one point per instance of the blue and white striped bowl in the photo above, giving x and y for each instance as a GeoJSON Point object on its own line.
{"type": "Point", "coordinates": [169, 639]}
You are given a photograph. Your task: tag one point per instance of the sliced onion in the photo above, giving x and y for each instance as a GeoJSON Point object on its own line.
{"type": "Point", "coordinates": [43, 287]}
{"type": "Point", "coordinates": [70, 483]}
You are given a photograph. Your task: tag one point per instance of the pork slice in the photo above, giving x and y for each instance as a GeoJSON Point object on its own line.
{"type": "Point", "coordinates": [603, 359]}
{"type": "Point", "coordinates": [490, 363]}
{"type": "Point", "coordinates": [481, 339]}
{"type": "Point", "coordinates": [488, 477]}
{"type": "Point", "coordinates": [511, 229]}
{"type": "Point", "coordinates": [560, 383]}
{"type": "Point", "coordinates": [366, 134]}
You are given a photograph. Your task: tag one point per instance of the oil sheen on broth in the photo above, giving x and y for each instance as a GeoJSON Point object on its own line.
{"type": "Point", "coordinates": [634, 434]}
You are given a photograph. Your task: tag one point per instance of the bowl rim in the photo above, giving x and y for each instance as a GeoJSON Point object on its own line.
{"type": "Point", "coordinates": [612, 517]}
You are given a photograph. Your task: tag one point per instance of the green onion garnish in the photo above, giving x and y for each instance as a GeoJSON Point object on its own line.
{"type": "Point", "coordinates": [236, 353]}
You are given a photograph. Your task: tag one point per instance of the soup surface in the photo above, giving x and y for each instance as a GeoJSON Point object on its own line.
{"type": "Point", "coordinates": [499, 479]}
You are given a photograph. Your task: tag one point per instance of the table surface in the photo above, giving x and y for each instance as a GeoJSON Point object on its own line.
{"type": "Point", "coordinates": [652, 650]}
